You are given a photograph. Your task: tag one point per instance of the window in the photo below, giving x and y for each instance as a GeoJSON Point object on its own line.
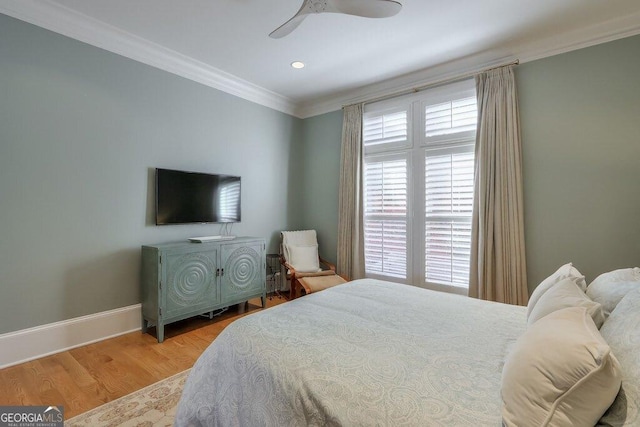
{"type": "Point", "coordinates": [418, 187]}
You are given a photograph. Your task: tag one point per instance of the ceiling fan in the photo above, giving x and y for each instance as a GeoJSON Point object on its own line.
{"type": "Point", "coordinates": [365, 8]}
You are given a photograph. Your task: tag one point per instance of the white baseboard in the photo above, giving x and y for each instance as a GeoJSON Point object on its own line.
{"type": "Point", "coordinates": [33, 343]}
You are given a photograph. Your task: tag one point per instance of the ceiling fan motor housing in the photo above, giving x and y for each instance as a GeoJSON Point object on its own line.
{"type": "Point", "coordinates": [317, 6]}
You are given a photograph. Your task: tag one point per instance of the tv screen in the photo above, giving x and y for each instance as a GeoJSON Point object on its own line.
{"type": "Point", "coordinates": [191, 197]}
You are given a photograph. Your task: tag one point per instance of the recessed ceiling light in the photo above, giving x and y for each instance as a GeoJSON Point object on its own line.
{"type": "Point", "coordinates": [297, 64]}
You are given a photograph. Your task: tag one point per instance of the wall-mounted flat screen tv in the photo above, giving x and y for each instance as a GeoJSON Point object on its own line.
{"type": "Point", "coordinates": [190, 197]}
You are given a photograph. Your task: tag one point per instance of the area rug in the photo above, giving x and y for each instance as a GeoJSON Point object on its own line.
{"type": "Point", "coordinates": [154, 405]}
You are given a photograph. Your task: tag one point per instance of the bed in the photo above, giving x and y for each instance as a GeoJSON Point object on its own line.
{"type": "Point", "coordinates": [372, 353]}
{"type": "Point", "coordinates": [364, 353]}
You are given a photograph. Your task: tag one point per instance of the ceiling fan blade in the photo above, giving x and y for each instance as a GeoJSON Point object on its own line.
{"type": "Point", "coordinates": [367, 8]}
{"type": "Point", "coordinates": [293, 23]}
{"type": "Point", "coordinates": [288, 26]}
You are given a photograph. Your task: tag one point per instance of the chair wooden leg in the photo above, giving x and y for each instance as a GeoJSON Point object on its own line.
{"type": "Point", "coordinates": [292, 289]}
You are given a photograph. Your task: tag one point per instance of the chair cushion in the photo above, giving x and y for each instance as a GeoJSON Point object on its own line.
{"type": "Point", "coordinates": [320, 283]}
{"type": "Point", "coordinates": [304, 258]}
{"type": "Point", "coordinates": [316, 273]}
{"type": "Point", "coordinates": [297, 238]}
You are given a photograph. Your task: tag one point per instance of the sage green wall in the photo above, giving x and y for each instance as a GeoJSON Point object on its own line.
{"type": "Point", "coordinates": [319, 179]}
{"type": "Point", "coordinates": [81, 130]}
{"type": "Point", "coordinates": [580, 114]}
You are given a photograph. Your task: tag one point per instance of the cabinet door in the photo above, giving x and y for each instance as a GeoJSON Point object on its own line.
{"type": "Point", "coordinates": [189, 281]}
{"type": "Point", "coordinates": [243, 270]}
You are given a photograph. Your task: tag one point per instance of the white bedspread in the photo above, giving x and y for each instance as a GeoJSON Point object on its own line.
{"type": "Point", "coordinates": [367, 353]}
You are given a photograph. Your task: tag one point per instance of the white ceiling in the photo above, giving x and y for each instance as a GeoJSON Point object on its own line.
{"type": "Point", "coordinates": [225, 43]}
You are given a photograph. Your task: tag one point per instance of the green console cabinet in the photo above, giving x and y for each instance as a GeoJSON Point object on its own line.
{"type": "Point", "coordinates": [181, 280]}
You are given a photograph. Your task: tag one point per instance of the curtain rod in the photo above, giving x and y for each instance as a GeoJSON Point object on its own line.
{"type": "Point", "coordinates": [434, 84]}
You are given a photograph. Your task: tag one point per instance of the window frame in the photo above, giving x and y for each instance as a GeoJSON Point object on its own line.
{"type": "Point", "coordinates": [416, 148]}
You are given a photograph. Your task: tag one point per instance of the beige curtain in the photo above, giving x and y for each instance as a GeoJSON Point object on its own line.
{"type": "Point", "coordinates": [350, 229]}
{"type": "Point", "coordinates": [498, 266]}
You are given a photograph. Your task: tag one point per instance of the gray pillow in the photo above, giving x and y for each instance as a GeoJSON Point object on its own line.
{"type": "Point", "coordinates": [622, 333]}
{"type": "Point", "coordinates": [609, 288]}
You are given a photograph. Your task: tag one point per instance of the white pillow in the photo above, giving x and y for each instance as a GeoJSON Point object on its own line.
{"type": "Point", "coordinates": [609, 288]}
{"type": "Point", "coordinates": [560, 372]}
{"type": "Point", "coordinates": [566, 293]}
{"type": "Point", "coordinates": [567, 270]}
{"type": "Point", "coordinates": [304, 258]}
{"type": "Point", "coordinates": [622, 332]}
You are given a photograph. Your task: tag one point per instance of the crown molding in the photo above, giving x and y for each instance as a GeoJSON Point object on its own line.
{"type": "Point", "coordinates": [402, 84]}
{"type": "Point", "coordinates": [62, 20]}
{"type": "Point", "coordinates": [55, 17]}
{"type": "Point", "coordinates": [604, 32]}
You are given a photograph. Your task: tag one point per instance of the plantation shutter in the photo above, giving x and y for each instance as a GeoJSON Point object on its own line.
{"type": "Point", "coordinates": [458, 115]}
{"type": "Point", "coordinates": [385, 216]}
{"type": "Point", "coordinates": [385, 127]}
{"type": "Point", "coordinates": [448, 209]}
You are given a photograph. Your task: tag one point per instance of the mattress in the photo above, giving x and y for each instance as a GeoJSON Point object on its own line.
{"type": "Point", "coordinates": [366, 353]}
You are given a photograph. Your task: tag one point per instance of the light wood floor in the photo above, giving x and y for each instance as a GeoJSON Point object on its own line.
{"type": "Point", "coordinates": [86, 377]}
